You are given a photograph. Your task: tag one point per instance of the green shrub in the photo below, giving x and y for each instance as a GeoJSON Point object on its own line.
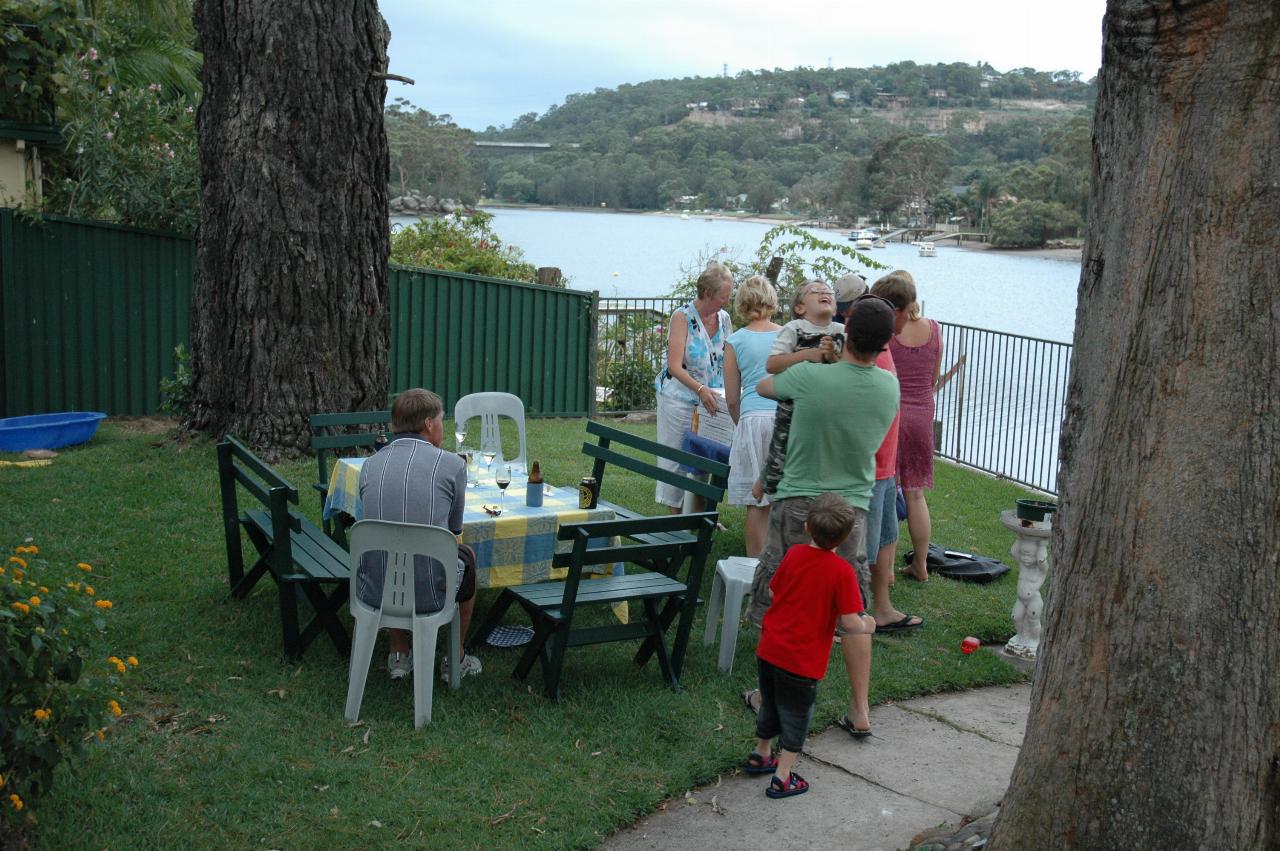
{"type": "Point", "coordinates": [457, 243]}
{"type": "Point", "coordinates": [54, 695]}
{"type": "Point", "coordinates": [175, 392]}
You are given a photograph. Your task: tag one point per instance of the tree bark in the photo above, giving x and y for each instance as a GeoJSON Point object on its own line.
{"type": "Point", "coordinates": [290, 314]}
{"type": "Point", "coordinates": [1155, 718]}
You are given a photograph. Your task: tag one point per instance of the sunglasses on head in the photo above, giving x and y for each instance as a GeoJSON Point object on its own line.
{"type": "Point", "coordinates": [866, 296]}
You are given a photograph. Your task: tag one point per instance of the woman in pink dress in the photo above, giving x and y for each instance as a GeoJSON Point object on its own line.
{"type": "Point", "coordinates": [917, 353]}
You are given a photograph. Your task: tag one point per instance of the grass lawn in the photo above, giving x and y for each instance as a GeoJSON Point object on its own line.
{"type": "Point", "coordinates": [225, 745]}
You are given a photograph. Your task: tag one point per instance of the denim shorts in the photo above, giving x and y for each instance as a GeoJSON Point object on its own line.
{"type": "Point", "coordinates": [786, 528]}
{"type": "Point", "coordinates": [786, 706]}
{"type": "Point", "coordinates": [882, 517]}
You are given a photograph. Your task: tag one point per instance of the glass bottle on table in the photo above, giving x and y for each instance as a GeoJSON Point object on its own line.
{"type": "Point", "coordinates": [473, 465]}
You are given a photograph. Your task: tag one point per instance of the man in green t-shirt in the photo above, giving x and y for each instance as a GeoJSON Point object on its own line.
{"type": "Point", "coordinates": [842, 413]}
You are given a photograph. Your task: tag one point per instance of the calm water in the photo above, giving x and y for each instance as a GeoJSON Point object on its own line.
{"type": "Point", "coordinates": [624, 254]}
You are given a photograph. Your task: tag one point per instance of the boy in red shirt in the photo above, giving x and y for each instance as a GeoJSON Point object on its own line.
{"type": "Point", "coordinates": [814, 593]}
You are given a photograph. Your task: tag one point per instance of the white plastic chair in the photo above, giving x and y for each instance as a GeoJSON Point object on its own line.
{"type": "Point", "coordinates": [401, 542]}
{"type": "Point", "coordinates": [489, 407]}
{"type": "Point", "coordinates": [729, 589]}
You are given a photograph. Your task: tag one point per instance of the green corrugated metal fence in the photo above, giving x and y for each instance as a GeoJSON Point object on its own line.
{"type": "Point", "coordinates": [90, 314]}
{"type": "Point", "coordinates": [459, 334]}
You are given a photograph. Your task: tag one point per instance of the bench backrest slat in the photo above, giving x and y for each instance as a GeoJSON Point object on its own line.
{"type": "Point", "coordinates": [605, 455]}
{"type": "Point", "coordinates": [238, 465]}
{"type": "Point", "coordinates": [608, 434]}
{"type": "Point", "coordinates": [330, 432]}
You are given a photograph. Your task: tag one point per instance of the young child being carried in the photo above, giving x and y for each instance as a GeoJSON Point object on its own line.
{"type": "Point", "coordinates": [814, 594]}
{"type": "Point", "coordinates": [811, 335]}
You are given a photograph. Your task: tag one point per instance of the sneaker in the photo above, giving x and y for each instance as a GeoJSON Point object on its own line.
{"type": "Point", "coordinates": [400, 665]}
{"type": "Point", "coordinates": [470, 666]}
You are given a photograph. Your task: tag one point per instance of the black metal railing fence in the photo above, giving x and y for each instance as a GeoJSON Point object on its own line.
{"type": "Point", "coordinates": [1000, 412]}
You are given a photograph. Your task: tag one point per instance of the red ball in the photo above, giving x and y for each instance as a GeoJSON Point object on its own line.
{"type": "Point", "coordinates": [969, 645]}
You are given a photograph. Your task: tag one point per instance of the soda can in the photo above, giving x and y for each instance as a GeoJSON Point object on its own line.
{"type": "Point", "coordinates": [588, 492]}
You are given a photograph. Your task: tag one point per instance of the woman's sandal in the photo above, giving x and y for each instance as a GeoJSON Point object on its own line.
{"type": "Point", "coordinates": [845, 724]}
{"type": "Point", "coordinates": [795, 785]}
{"type": "Point", "coordinates": [757, 764]}
{"type": "Point", "coordinates": [753, 708]}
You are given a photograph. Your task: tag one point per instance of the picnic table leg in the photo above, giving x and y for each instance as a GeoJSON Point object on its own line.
{"type": "Point", "coordinates": [554, 664]}
{"type": "Point", "coordinates": [536, 651]}
{"type": "Point", "coordinates": [491, 619]}
{"type": "Point", "coordinates": [326, 608]}
{"type": "Point", "coordinates": [654, 622]}
{"type": "Point", "coordinates": [289, 620]}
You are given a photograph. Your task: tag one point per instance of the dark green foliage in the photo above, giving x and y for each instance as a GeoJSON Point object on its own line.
{"type": "Point", "coordinates": [460, 244]}
{"type": "Point", "coordinates": [1029, 224]}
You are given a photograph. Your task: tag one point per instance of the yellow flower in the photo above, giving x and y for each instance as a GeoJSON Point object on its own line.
{"type": "Point", "coordinates": [87, 568]}
{"type": "Point", "coordinates": [1, 571]}
{"type": "Point", "coordinates": [88, 589]}
{"type": "Point", "coordinates": [102, 734]}
{"type": "Point", "coordinates": [115, 708]}
{"type": "Point", "coordinates": [132, 660]}
{"type": "Point", "coordinates": [74, 586]}
{"type": "Point", "coordinates": [22, 607]}
{"type": "Point", "coordinates": [15, 802]}
{"type": "Point", "coordinates": [31, 549]}
{"type": "Point", "coordinates": [44, 590]}
{"type": "Point", "coordinates": [1, 781]}
{"type": "Point", "coordinates": [17, 575]}
{"type": "Point", "coordinates": [120, 667]}
{"type": "Point", "coordinates": [35, 601]}
{"type": "Point", "coordinates": [18, 561]}
{"type": "Point", "coordinates": [103, 604]}
{"type": "Point", "coordinates": [42, 714]}
{"type": "Point", "coordinates": [114, 660]}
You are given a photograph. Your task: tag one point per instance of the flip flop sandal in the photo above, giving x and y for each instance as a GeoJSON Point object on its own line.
{"type": "Point", "coordinates": [845, 724]}
{"type": "Point", "coordinates": [746, 700]}
{"type": "Point", "coordinates": [901, 625]}
{"type": "Point", "coordinates": [757, 764]}
{"type": "Point", "coordinates": [795, 785]}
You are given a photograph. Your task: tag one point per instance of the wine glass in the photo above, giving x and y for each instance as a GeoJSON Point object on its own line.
{"type": "Point", "coordinates": [460, 434]}
{"type": "Point", "coordinates": [489, 454]}
{"type": "Point", "coordinates": [502, 478]}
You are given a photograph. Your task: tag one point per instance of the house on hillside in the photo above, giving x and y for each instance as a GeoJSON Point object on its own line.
{"type": "Point", "coordinates": [840, 96]}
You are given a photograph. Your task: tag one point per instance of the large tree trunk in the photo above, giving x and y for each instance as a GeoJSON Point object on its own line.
{"type": "Point", "coordinates": [290, 313]}
{"type": "Point", "coordinates": [1155, 718]}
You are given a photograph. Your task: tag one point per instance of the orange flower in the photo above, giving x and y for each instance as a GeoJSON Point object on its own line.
{"type": "Point", "coordinates": [101, 734]}
{"type": "Point", "coordinates": [15, 802]}
{"type": "Point", "coordinates": [1, 781]}
{"type": "Point", "coordinates": [18, 561]}
{"type": "Point", "coordinates": [31, 549]}
{"type": "Point", "coordinates": [44, 590]}
{"type": "Point", "coordinates": [103, 604]}
{"type": "Point", "coordinates": [1, 571]}
{"type": "Point", "coordinates": [87, 568]}
{"type": "Point", "coordinates": [114, 660]}
{"type": "Point", "coordinates": [132, 660]}
{"type": "Point", "coordinates": [42, 714]}
{"type": "Point", "coordinates": [88, 589]}
{"type": "Point", "coordinates": [35, 601]}
{"type": "Point", "coordinates": [120, 667]}
{"type": "Point", "coordinates": [20, 606]}
{"type": "Point", "coordinates": [115, 708]}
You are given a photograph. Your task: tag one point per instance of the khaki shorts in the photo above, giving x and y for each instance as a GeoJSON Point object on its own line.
{"type": "Point", "coordinates": [786, 529]}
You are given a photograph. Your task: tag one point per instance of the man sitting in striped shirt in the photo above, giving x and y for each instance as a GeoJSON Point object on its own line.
{"type": "Point", "coordinates": [411, 480]}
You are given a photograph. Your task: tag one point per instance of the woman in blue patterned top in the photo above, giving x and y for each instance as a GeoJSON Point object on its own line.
{"type": "Point", "coordinates": [695, 367]}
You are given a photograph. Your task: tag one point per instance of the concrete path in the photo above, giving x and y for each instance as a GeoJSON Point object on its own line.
{"type": "Point", "coordinates": [931, 761]}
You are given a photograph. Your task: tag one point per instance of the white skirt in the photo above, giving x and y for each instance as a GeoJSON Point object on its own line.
{"type": "Point", "coordinates": [747, 456]}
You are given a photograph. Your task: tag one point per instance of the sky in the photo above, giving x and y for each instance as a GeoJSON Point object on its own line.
{"type": "Point", "coordinates": [486, 62]}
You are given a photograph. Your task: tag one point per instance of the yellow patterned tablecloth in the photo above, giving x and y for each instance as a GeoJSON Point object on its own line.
{"type": "Point", "coordinates": [512, 549]}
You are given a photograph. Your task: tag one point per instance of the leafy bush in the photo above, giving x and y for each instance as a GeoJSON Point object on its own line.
{"type": "Point", "coordinates": [130, 153]}
{"type": "Point", "coordinates": [631, 351]}
{"type": "Point", "coordinates": [804, 257]}
{"type": "Point", "coordinates": [53, 694]}
{"type": "Point", "coordinates": [175, 392]}
{"type": "Point", "coordinates": [458, 243]}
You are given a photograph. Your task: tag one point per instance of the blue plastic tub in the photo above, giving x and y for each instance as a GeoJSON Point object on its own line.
{"type": "Point", "coordinates": [48, 431]}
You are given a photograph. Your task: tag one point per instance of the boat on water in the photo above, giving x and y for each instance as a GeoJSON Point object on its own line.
{"type": "Point", "coordinates": [863, 244]}
{"type": "Point", "coordinates": [928, 249]}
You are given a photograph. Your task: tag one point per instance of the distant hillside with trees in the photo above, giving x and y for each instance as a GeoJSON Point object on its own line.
{"type": "Point", "coordinates": [1005, 152]}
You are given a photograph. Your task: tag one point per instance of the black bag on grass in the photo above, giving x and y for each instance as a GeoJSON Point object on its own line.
{"type": "Point", "coordinates": [963, 566]}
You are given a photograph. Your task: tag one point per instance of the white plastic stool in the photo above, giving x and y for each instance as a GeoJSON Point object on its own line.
{"type": "Point", "coordinates": [730, 587]}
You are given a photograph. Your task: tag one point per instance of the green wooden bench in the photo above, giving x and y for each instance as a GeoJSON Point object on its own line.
{"type": "Point", "coordinates": [552, 606]}
{"type": "Point", "coordinates": [332, 434]}
{"type": "Point", "coordinates": [620, 449]}
{"type": "Point", "coordinates": [300, 557]}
